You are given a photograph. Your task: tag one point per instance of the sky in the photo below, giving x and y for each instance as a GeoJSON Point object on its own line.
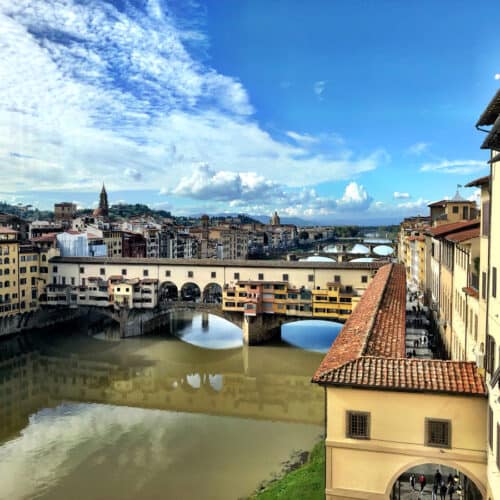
{"type": "Point", "coordinates": [328, 110]}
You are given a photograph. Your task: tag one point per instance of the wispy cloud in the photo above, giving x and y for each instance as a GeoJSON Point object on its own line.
{"type": "Point", "coordinates": [454, 166]}
{"type": "Point", "coordinates": [319, 88]}
{"type": "Point", "coordinates": [93, 93]}
{"type": "Point", "coordinates": [418, 148]}
{"type": "Point", "coordinates": [398, 195]}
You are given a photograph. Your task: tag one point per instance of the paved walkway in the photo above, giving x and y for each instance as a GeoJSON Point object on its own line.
{"type": "Point", "coordinates": [419, 341]}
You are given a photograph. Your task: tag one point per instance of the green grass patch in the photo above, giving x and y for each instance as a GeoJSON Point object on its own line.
{"type": "Point", "coordinates": [304, 483]}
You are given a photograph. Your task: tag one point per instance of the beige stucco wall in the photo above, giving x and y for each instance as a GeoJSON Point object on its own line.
{"type": "Point", "coordinates": [368, 468]}
{"type": "Point", "coordinates": [202, 274]}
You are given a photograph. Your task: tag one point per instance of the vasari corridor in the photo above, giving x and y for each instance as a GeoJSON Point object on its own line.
{"type": "Point", "coordinates": [249, 250]}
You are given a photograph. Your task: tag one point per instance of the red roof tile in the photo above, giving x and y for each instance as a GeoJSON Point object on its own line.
{"type": "Point", "coordinates": [7, 230]}
{"type": "Point", "coordinates": [445, 229]}
{"type": "Point", "coordinates": [460, 236]}
{"type": "Point", "coordinates": [409, 375]}
{"type": "Point", "coordinates": [370, 350]}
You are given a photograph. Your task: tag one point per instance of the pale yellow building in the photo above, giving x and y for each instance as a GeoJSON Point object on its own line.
{"type": "Point", "coordinates": [9, 253]}
{"type": "Point", "coordinates": [386, 414]}
{"type": "Point", "coordinates": [489, 283]}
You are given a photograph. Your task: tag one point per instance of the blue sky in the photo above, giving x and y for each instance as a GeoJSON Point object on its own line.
{"type": "Point", "coordinates": [326, 110]}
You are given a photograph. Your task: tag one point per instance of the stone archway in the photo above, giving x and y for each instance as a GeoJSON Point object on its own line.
{"type": "Point", "coordinates": [168, 292]}
{"type": "Point", "coordinates": [190, 292]}
{"type": "Point", "coordinates": [212, 294]}
{"type": "Point", "coordinates": [471, 488]}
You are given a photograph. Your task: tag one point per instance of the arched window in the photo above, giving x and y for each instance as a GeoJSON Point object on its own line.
{"type": "Point", "coordinates": [6, 260]}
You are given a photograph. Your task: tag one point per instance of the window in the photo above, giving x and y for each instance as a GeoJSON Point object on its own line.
{"type": "Point", "coordinates": [261, 276]}
{"type": "Point", "coordinates": [102, 271]}
{"type": "Point", "coordinates": [358, 425]}
{"type": "Point", "coordinates": [438, 432]}
{"type": "Point", "coordinates": [494, 282]}
{"type": "Point", "coordinates": [236, 276]}
{"type": "Point", "coordinates": [490, 354]}
{"type": "Point", "coordinates": [490, 427]}
{"type": "Point", "coordinates": [455, 209]}
{"type": "Point", "coordinates": [485, 214]}
{"type": "Point", "coordinates": [310, 278]}
{"type": "Point", "coordinates": [336, 278]}
{"type": "Point", "coordinates": [73, 281]}
{"type": "Point", "coordinates": [213, 274]}
{"type": "Point", "coordinates": [82, 270]}
{"type": "Point", "coordinates": [285, 277]}
{"type": "Point", "coordinates": [483, 286]}
{"type": "Point", "coordinates": [364, 279]}
{"type": "Point", "coordinates": [124, 272]}
{"type": "Point", "coordinates": [167, 274]}
{"type": "Point", "coordinates": [54, 269]}
{"type": "Point", "coordinates": [145, 272]}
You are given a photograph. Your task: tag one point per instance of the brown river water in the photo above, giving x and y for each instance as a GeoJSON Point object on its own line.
{"type": "Point", "coordinates": [188, 413]}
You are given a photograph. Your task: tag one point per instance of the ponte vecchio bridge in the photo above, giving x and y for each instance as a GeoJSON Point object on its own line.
{"type": "Point", "coordinates": [258, 296]}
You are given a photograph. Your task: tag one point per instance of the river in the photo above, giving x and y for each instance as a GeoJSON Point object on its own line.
{"type": "Point", "coordinates": [187, 413]}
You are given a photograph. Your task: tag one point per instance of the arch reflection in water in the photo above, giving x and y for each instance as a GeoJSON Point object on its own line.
{"type": "Point", "coordinates": [206, 331]}
{"type": "Point", "coordinates": [313, 335]}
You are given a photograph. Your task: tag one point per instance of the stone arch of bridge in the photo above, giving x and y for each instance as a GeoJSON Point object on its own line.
{"type": "Point", "coordinates": [190, 292]}
{"type": "Point", "coordinates": [168, 291]}
{"type": "Point", "coordinates": [212, 294]}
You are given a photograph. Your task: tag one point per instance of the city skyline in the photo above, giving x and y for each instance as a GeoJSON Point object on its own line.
{"type": "Point", "coordinates": [326, 112]}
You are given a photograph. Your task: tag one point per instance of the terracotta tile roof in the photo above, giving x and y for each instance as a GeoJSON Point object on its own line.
{"type": "Point", "coordinates": [352, 341]}
{"type": "Point", "coordinates": [409, 375]}
{"type": "Point", "coordinates": [446, 229]}
{"type": "Point", "coordinates": [441, 203]}
{"type": "Point", "coordinates": [491, 112]}
{"type": "Point", "coordinates": [460, 236]}
{"type": "Point", "coordinates": [7, 230]}
{"type": "Point", "coordinates": [482, 181]}
{"type": "Point", "coordinates": [370, 350]}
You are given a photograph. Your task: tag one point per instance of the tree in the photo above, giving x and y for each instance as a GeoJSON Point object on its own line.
{"type": "Point", "coordinates": [304, 235]}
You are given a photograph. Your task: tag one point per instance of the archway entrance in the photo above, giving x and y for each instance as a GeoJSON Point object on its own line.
{"type": "Point", "coordinates": [168, 292]}
{"type": "Point", "coordinates": [435, 481]}
{"type": "Point", "coordinates": [212, 294]}
{"type": "Point", "coordinates": [190, 292]}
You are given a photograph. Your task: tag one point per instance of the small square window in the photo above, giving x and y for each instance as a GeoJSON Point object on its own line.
{"type": "Point", "coordinates": [213, 274]}
{"type": "Point", "coordinates": [124, 272]}
{"type": "Point", "coordinates": [102, 271]}
{"type": "Point", "coordinates": [190, 274]}
{"type": "Point", "coordinates": [310, 278]}
{"type": "Point", "coordinates": [261, 276]}
{"type": "Point", "coordinates": [145, 272]}
{"type": "Point", "coordinates": [82, 270]}
{"type": "Point", "coordinates": [336, 278]}
{"type": "Point", "coordinates": [364, 279]}
{"type": "Point", "coordinates": [236, 276]}
{"type": "Point", "coordinates": [438, 432]}
{"type": "Point", "coordinates": [167, 274]}
{"type": "Point", "coordinates": [455, 209]}
{"type": "Point", "coordinates": [358, 425]}
{"type": "Point", "coordinates": [285, 277]}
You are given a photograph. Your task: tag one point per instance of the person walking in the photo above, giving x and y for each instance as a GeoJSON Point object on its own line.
{"type": "Point", "coordinates": [442, 490]}
{"type": "Point", "coordinates": [435, 488]}
{"type": "Point", "coordinates": [438, 477]}
{"type": "Point", "coordinates": [412, 481]}
{"type": "Point", "coordinates": [422, 481]}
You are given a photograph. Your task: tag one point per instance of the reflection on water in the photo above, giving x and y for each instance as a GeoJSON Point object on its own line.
{"type": "Point", "coordinates": [154, 417]}
{"type": "Point", "coordinates": [313, 335]}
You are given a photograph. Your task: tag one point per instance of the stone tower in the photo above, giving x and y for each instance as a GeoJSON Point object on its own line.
{"type": "Point", "coordinates": [103, 209]}
{"type": "Point", "coordinates": [275, 219]}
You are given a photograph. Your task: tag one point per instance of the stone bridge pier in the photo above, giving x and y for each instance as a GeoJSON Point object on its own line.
{"type": "Point", "coordinates": [262, 328]}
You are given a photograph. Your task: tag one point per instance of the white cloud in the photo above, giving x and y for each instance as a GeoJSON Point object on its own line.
{"type": "Point", "coordinates": [398, 195]}
{"type": "Point", "coordinates": [355, 198]}
{"type": "Point", "coordinates": [302, 138]}
{"type": "Point", "coordinates": [319, 88]}
{"type": "Point", "coordinates": [418, 148]}
{"type": "Point", "coordinates": [454, 166]}
{"type": "Point", "coordinates": [115, 97]}
{"type": "Point", "coordinates": [421, 203]}
{"type": "Point", "coordinates": [205, 183]}
{"type": "Point", "coordinates": [497, 76]}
